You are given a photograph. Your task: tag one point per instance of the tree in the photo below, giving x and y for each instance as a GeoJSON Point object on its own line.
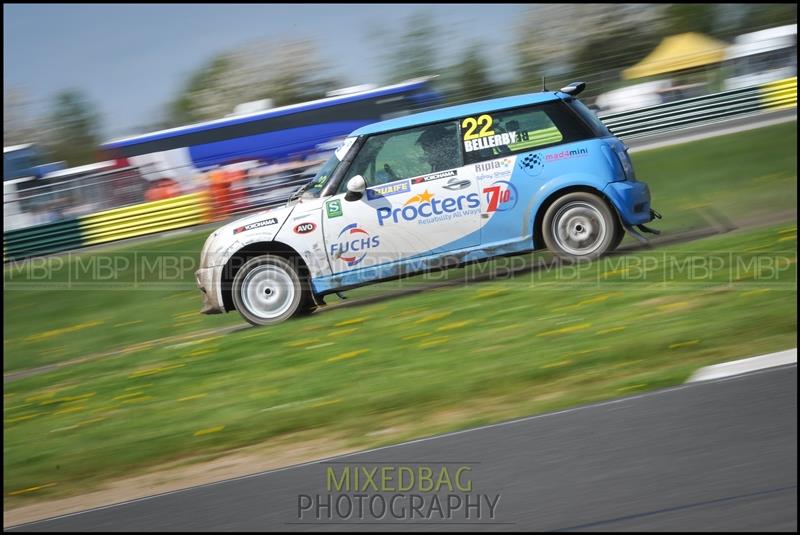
{"type": "Point", "coordinates": [72, 133]}
{"type": "Point", "coordinates": [761, 16]}
{"type": "Point", "coordinates": [682, 18]}
{"type": "Point", "coordinates": [285, 73]}
{"type": "Point", "coordinates": [411, 54]}
{"type": "Point", "coordinates": [471, 76]}
{"type": "Point", "coordinates": [18, 126]}
{"type": "Point", "coordinates": [564, 40]}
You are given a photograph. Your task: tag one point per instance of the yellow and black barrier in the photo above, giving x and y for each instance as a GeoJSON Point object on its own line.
{"type": "Point", "coordinates": [108, 226]}
{"type": "Point", "coordinates": [781, 94]}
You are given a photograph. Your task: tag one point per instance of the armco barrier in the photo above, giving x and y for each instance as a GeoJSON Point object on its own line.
{"type": "Point", "coordinates": [42, 239]}
{"type": "Point", "coordinates": [702, 110]}
{"type": "Point", "coordinates": [108, 226]}
{"type": "Point", "coordinates": [147, 218]}
{"type": "Point", "coordinates": [198, 208]}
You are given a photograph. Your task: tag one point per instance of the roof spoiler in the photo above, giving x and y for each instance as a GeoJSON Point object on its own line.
{"type": "Point", "coordinates": [574, 89]}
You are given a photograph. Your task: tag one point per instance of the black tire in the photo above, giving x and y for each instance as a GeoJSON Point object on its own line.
{"type": "Point", "coordinates": [618, 238]}
{"type": "Point", "coordinates": [269, 289]}
{"type": "Point", "coordinates": [581, 225]}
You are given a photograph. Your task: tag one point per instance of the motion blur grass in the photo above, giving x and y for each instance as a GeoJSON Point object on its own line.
{"type": "Point", "coordinates": [420, 364]}
{"type": "Point", "coordinates": [439, 360]}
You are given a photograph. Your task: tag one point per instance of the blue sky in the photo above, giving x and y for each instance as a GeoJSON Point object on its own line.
{"type": "Point", "coordinates": [132, 59]}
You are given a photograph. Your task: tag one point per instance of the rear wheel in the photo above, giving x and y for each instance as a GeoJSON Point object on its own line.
{"type": "Point", "coordinates": [268, 289]}
{"type": "Point", "coordinates": [580, 225]}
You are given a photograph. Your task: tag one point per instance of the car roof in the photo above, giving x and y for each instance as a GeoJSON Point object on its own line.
{"type": "Point", "coordinates": [454, 112]}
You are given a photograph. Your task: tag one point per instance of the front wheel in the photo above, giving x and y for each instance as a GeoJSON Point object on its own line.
{"type": "Point", "coordinates": [580, 225]}
{"type": "Point", "coordinates": [268, 289]}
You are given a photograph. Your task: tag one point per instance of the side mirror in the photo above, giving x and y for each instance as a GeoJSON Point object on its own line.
{"type": "Point", "coordinates": [356, 187]}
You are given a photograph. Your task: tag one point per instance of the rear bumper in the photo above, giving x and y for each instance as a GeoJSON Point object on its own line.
{"type": "Point", "coordinates": [208, 280]}
{"type": "Point", "coordinates": [632, 200]}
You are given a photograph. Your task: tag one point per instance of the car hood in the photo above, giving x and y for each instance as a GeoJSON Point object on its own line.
{"type": "Point", "coordinates": [260, 226]}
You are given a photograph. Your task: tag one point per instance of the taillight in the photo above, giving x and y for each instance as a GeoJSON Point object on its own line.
{"type": "Point", "coordinates": [625, 161]}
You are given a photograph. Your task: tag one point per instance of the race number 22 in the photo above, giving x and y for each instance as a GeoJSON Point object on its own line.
{"type": "Point", "coordinates": [470, 124]}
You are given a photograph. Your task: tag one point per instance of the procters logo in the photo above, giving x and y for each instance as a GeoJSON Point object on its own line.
{"type": "Point", "coordinates": [353, 244]}
{"type": "Point", "coordinates": [424, 205]}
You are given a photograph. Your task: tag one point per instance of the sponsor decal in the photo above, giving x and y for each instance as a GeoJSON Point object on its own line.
{"type": "Point", "coordinates": [457, 183]}
{"type": "Point", "coordinates": [573, 153]}
{"type": "Point", "coordinates": [532, 164]}
{"type": "Point", "coordinates": [435, 176]}
{"type": "Point", "coordinates": [491, 141]}
{"type": "Point", "coordinates": [501, 196]}
{"type": "Point", "coordinates": [492, 165]}
{"type": "Point", "coordinates": [333, 208]}
{"type": "Point", "coordinates": [424, 208]}
{"type": "Point", "coordinates": [353, 244]}
{"type": "Point", "coordinates": [478, 134]}
{"type": "Point", "coordinates": [386, 190]}
{"type": "Point", "coordinates": [305, 228]}
{"type": "Point", "coordinates": [259, 224]}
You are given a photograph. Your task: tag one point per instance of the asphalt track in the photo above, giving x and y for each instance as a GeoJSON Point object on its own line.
{"type": "Point", "coordinates": [716, 455]}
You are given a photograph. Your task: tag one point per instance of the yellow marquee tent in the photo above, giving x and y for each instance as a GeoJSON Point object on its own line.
{"type": "Point", "coordinates": [677, 53]}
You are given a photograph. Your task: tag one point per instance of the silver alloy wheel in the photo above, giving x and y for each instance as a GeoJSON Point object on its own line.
{"type": "Point", "coordinates": [267, 291]}
{"type": "Point", "coordinates": [579, 228]}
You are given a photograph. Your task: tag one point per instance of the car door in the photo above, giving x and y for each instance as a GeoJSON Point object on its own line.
{"type": "Point", "coordinates": [418, 203]}
{"type": "Point", "coordinates": [503, 149]}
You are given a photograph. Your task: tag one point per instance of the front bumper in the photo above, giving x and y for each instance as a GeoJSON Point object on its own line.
{"type": "Point", "coordinates": [632, 200]}
{"type": "Point", "coordinates": [208, 280]}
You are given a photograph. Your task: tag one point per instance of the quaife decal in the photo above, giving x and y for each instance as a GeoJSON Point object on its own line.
{"type": "Point", "coordinates": [353, 244]}
{"type": "Point", "coordinates": [386, 190]}
{"type": "Point", "coordinates": [435, 176]}
{"type": "Point", "coordinates": [259, 224]}
{"type": "Point", "coordinates": [333, 208]}
{"type": "Point", "coordinates": [500, 196]}
{"type": "Point", "coordinates": [305, 228]}
{"type": "Point", "coordinates": [424, 209]}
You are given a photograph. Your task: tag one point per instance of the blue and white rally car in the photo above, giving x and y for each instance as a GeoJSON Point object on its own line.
{"type": "Point", "coordinates": [431, 190]}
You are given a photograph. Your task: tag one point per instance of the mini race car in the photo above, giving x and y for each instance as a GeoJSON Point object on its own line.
{"type": "Point", "coordinates": [427, 191]}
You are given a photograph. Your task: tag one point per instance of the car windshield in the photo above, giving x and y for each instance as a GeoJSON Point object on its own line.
{"type": "Point", "coordinates": [314, 187]}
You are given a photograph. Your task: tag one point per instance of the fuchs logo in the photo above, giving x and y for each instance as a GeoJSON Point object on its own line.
{"type": "Point", "coordinates": [501, 196]}
{"type": "Point", "coordinates": [532, 164]}
{"type": "Point", "coordinates": [423, 206]}
{"type": "Point", "coordinates": [305, 228]}
{"type": "Point", "coordinates": [251, 226]}
{"type": "Point", "coordinates": [353, 244]}
{"type": "Point", "coordinates": [566, 154]}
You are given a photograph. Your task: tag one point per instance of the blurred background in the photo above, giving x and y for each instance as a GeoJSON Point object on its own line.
{"type": "Point", "coordinates": [84, 129]}
{"type": "Point", "coordinates": [157, 122]}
